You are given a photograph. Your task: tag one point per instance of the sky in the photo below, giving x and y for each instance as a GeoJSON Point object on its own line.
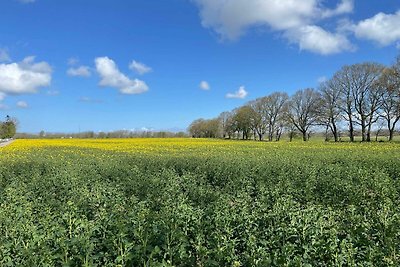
{"type": "Point", "coordinates": [104, 65]}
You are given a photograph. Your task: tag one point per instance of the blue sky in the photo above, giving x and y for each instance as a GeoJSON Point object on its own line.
{"type": "Point", "coordinates": [67, 66]}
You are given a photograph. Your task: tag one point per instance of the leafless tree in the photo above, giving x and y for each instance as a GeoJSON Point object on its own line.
{"type": "Point", "coordinates": [390, 85]}
{"type": "Point", "coordinates": [330, 110]}
{"type": "Point", "coordinates": [302, 110]}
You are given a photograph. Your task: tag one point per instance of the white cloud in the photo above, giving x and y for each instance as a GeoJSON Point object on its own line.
{"type": "Point", "coordinates": [345, 6]}
{"type": "Point", "coordinates": [24, 77]}
{"type": "Point", "coordinates": [295, 19]}
{"type": "Point", "coordinates": [73, 61]}
{"type": "Point", "coordinates": [22, 104]}
{"type": "Point", "coordinates": [204, 85]}
{"type": "Point", "coordinates": [81, 71]}
{"type": "Point", "coordinates": [4, 56]}
{"type": "Point", "coordinates": [140, 68]}
{"type": "Point", "coordinates": [381, 28]}
{"type": "Point", "coordinates": [314, 38]}
{"type": "Point", "coordinates": [240, 94]}
{"type": "Point", "coordinates": [111, 76]}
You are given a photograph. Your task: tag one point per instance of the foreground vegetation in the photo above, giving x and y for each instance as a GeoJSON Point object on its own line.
{"type": "Point", "coordinates": [186, 202]}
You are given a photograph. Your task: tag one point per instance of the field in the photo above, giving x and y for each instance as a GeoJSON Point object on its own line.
{"type": "Point", "coordinates": [186, 202]}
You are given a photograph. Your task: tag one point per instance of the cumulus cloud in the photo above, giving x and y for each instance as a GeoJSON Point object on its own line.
{"type": "Point", "coordinates": [111, 76]}
{"type": "Point", "coordinates": [240, 94]}
{"type": "Point", "coordinates": [24, 77]}
{"type": "Point", "coordinates": [81, 71]}
{"type": "Point", "coordinates": [345, 6]}
{"type": "Point", "coordinates": [295, 19]}
{"type": "Point", "coordinates": [22, 104]}
{"type": "Point", "coordinates": [4, 56]}
{"type": "Point", "coordinates": [204, 85]}
{"type": "Point", "coordinates": [140, 68]}
{"type": "Point", "coordinates": [381, 28]}
{"type": "Point", "coordinates": [314, 38]}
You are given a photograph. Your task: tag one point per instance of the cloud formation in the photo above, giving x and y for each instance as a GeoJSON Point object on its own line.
{"type": "Point", "coordinates": [111, 76]}
{"type": "Point", "coordinates": [239, 94]}
{"type": "Point", "coordinates": [382, 28]}
{"type": "Point", "coordinates": [140, 68]}
{"type": "Point", "coordinates": [295, 19]}
{"type": "Point", "coordinates": [204, 86]}
{"type": "Point", "coordinates": [24, 77]}
{"type": "Point", "coordinates": [4, 56]}
{"type": "Point", "coordinates": [81, 71]}
{"type": "Point", "coordinates": [22, 104]}
{"type": "Point", "coordinates": [316, 39]}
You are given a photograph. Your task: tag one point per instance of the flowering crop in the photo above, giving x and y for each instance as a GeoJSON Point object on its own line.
{"type": "Point", "coordinates": [198, 202]}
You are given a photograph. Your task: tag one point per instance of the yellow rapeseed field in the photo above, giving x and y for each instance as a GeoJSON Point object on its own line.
{"type": "Point", "coordinates": [199, 202]}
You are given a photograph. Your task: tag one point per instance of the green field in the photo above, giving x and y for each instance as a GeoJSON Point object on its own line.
{"type": "Point", "coordinates": [185, 202]}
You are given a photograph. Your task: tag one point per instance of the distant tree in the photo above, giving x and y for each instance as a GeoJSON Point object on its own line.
{"type": "Point", "coordinates": [291, 131]}
{"type": "Point", "coordinates": [245, 120]}
{"type": "Point", "coordinates": [269, 110]}
{"type": "Point", "coordinates": [390, 86]}
{"type": "Point", "coordinates": [343, 83]}
{"type": "Point", "coordinates": [8, 128]}
{"type": "Point", "coordinates": [362, 82]}
{"type": "Point", "coordinates": [302, 110]}
{"type": "Point", "coordinates": [330, 111]}
{"type": "Point", "coordinates": [205, 128]}
{"type": "Point", "coordinates": [225, 119]}
{"type": "Point", "coordinates": [259, 119]}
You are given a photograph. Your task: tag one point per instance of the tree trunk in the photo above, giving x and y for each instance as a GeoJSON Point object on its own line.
{"type": "Point", "coordinates": [363, 132]}
{"type": "Point", "coordinates": [351, 130]}
{"type": "Point", "coordinates": [304, 136]}
{"type": "Point", "coordinates": [369, 132]}
{"type": "Point", "coordinates": [326, 133]}
{"type": "Point", "coordinates": [391, 133]}
{"type": "Point", "coordinates": [334, 130]}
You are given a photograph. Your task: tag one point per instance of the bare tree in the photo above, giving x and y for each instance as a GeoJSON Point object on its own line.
{"type": "Point", "coordinates": [330, 110]}
{"type": "Point", "coordinates": [259, 120]}
{"type": "Point", "coordinates": [275, 104]}
{"type": "Point", "coordinates": [366, 95]}
{"type": "Point", "coordinates": [390, 85]}
{"type": "Point", "coordinates": [302, 110]}
{"type": "Point", "coordinates": [343, 82]}
{"type": "Point", "coordinates": [225, 119]}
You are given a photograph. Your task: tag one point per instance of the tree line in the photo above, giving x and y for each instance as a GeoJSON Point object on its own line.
{"type": "Point", "coordinates": [8, 128]}
{"type": "Point", "coordinates": [102, 135]}
{"type": "Point", "coordinates": [357, 100]}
